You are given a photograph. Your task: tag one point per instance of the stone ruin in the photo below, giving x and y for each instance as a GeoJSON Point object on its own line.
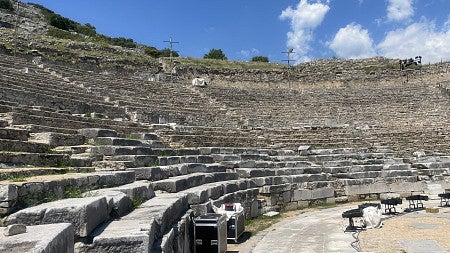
{"type": "Point", "coordinates": [107, 163]}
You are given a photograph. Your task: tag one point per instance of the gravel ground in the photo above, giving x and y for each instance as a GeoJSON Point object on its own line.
{"type": "Point", "coordinates": [412, 226]}
{"type": "Point", "coordinates": [396, 228]}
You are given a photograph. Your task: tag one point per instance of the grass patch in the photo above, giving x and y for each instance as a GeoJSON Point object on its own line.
{"type": "Point", "coordinates": [261, 223]}
{"type": "Point", "coordinates": [15, 178]}
{"type": "Point", "coordinates": [72, 192]}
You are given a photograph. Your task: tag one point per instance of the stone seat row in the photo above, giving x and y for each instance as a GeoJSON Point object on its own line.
{"type": "Point", "coordinates": [75, 106]}
{"type": "Point", "coordinates": [16, 79]}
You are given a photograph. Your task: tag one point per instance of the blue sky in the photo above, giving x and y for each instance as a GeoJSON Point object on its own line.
{"type": "Point", "coordinates": [242, 29]}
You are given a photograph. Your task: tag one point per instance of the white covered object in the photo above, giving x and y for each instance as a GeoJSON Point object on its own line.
{"type": "Point", "coordinates": [372, 217]}
{"type": "Point", "coordinates": [237, 207]}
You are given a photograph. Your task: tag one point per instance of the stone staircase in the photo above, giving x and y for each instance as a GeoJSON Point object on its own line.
{"type": "Point", "coordinates": [114, 164]}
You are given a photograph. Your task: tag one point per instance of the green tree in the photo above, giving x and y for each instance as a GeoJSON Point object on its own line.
{"type": "Point", "coordinates": [152, 51]}
{"type": "Point", "coordinates": [215, 54]}
{"type": "Point", "coordinates": [260, 59]}
{"type": "Point", "coordinates": [6, 4]}
{"type": "Point", "coordinates": [166, 53]}
{"type": "Point", "coordinates": [87, 29]}
{"type": "Point", "coordinates": [61, 22]}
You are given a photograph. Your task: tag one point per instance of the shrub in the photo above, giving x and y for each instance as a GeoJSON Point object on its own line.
{"type": "Point", "coordinates": [260, 59]}
{"type": "Point", "coordinates": [166, 53]}
{"type": "Point", "coordinates": [61, 22]}
{"type": "Point", "coordinates": [152, 51]}
{"type": "Point", "coordinates": [215, 54]}
{"type": "Point", "coordinates": [86, 29]}
{"type": "Point", "coordinates": [6, 4]}
{"type": "Point", "coordinates": [61, 34]}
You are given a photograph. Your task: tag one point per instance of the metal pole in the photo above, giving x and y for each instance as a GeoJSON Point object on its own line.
{"type": "Point", "coordinates": [16, 27]}
{"type": "Point", "coordinates": [289, 52]}
{"type": "Point", "coordinates": [171, 42]}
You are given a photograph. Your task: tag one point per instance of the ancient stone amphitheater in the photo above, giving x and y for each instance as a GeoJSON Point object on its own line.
{"type": "Point", "coordinates": [106, 161]}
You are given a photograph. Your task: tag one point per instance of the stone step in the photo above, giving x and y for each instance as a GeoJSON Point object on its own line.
{"type": "Point", "coordinates": [19, 159]}
{"type": "Point", "coordinates": [171, 160]}
{"type": "Point", "coordinates": [183, 182]}
{"type": "Point", "coordinates": [122, 236]}
{"type": "Point", "coordinates": [138, 160]}
{"type": "Point", "coordinates": [433, 172]}
{"type": "Point", "coordinates": [346, 156]}
{"type": "Point", "coordinates": [298, 170]}
{"type": "Point", "coordinates": [109, 150]}
{"type": "Point", "coordinates": [356, 175]}
{"type": "Point", "coordinates": [24, 146]}
{"type": "Point", "coordinates": [113, 165]}
{"type": "Point", "coordinates": [57, 139]}
{"type": "Point", "coordinates": [255, 172]}
{"type": "Point", "coordinates": [398, 173]}
{"type": "Point", "coordinates": [288, 159]}
{"type": "Point", "coordinates": [165, 209]}
{"type": "Point", "coordinates": [83, 160]}
{"type": "Point", "coordinates": [144, 136]}
{"type": "Point", "coordinates": [203, 193]}
{"type": "Point", "coordinates": [36, 128]}
{"type": "Point", "coordinates": [115, 141]}
{"type": "Point", "coordinates": [92, 133]}
{"type": "Point", "coordinates": [85, 214]}
{"type": "Point", "coordinates": [292, 164]}
{"type": "Point", "coordinates": [163, 172]}
{"type": "Point", "coordinates": [124, 198]}
{"type": "Point", "coordinates": [397, 166]}
{"type": "Point", "coordinates": [56, 238]}
{"type": "Point", "coordinates": [36, 189]}
{"type": "Point", "coordinates": [154, 143]}
{"type": "Point", "coordinates": [352, 168]}
{"type": "Point", "coordinates": [77, 149]}
{"type": "Point", "coordinates": [14, 134]}
{"type": "Point", "coordinates": [20, 174]}
{"type": "Point", "coordinates": [338, 151]}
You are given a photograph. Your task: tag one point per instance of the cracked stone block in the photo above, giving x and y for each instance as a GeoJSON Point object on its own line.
{"type": "Point", "coordinates": [84, 213]}
{"type": "Point", "coordinates": [49, 238]}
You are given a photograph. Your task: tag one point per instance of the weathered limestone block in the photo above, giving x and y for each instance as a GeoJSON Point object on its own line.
{"type": "Point", "coordinates": [171, 160]}
{"type": "Point", "coordinates": [166, 244]}
{"type": "Point", "coordinates": [180, 183]}
{"type": "Point", "coordinates": [220, 176]}
{"type": "Point", "coordinates": [119, 203]}
{"type": "Point", "coordinates": [49, 238]}
{"type": "Point", "coordinates": [84, 213]}
{"type": "Point", "coordinates": [14, 229]}
{"type": "Point", "coordinates": [8, 195]}
{"type": "Point", "coordinates": [405, 188]}
{"type": "Point", "coordinates": [110, 150]}
{"type": "Point", "coordinates": [139, 190]}
{"type": "Point", "coordinates": [306, 194]}
{"type": "Point", "coordinates": [290, 171]}
{"type": "Point", "coordinates": [322, 193]}
{"type": "Point", "coordinates": [116, 141]}
{"type": "Point", "coordinates": [165, 209]}
{"type": "Point", "coordinates": [252, 172]}
{"type": "Point", "coordinates": [134, 236]}
{"type": "Point", "coordinates": [398, 173]}
{"type": "Point", "coordinates": [185, 228]}
{"type": "Point", "coordinates": [273, 189]}
{"type": "Point", "coordinates": [97, 132]}
{"type": "Point", "coordinates": [358, 189]}
{"type": "Point", "coordinates": [58, 139]}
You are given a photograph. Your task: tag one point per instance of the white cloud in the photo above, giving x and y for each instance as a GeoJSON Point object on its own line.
{"type": "Point", "coordinates": [420, 38]}
{"type": "Point", "coordinates": [303, 20]}
{"type": "Point", "coordinates": [352, 41]}
{"type": "Point", "coordinates": [400, 10]}
{"type": "Point", "coordinates": [247, 53]}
